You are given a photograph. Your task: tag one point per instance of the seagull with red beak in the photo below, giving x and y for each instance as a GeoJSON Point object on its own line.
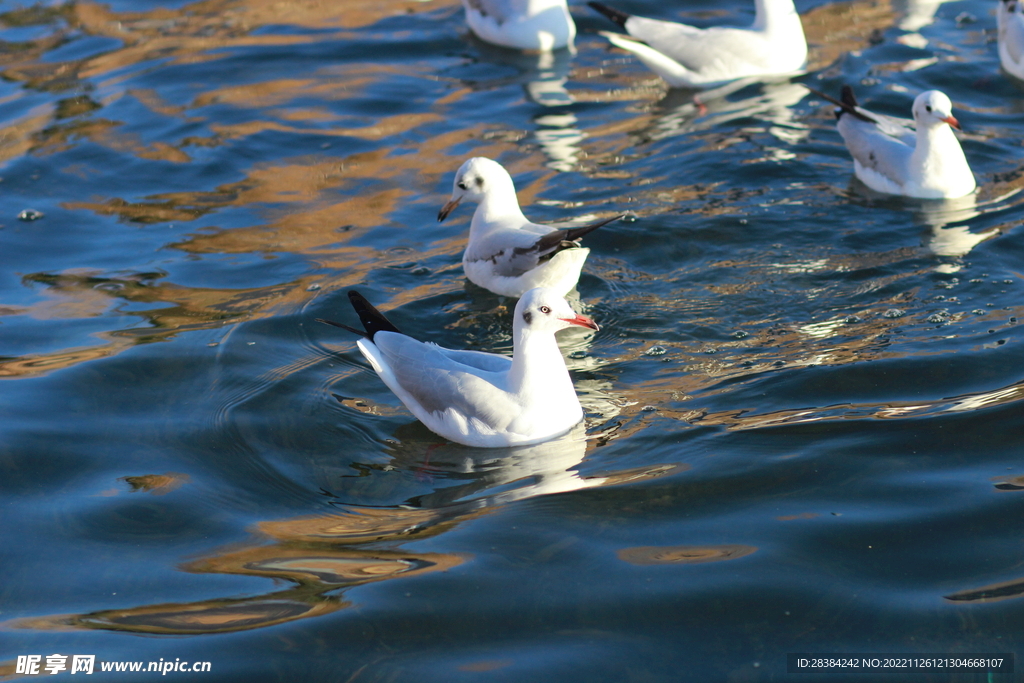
{"type": "Point", "coordinates": [476, 398]}
{"type": "Point", "coordinates": [891, 157]}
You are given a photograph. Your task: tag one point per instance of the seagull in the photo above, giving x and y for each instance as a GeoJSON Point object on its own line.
{"type": "Point", "coordinates": [542, 25]}
{"type": "Point", "coordinates": [476, 398]}
{"type": "Point", "coordinates": [1011, 37]}
{"type": "Point", "coordinates": [508, 254]}
{"type": "Point", "coordinates": [890, 157]}
{"type": "Point", "coordinates": [690, 57]}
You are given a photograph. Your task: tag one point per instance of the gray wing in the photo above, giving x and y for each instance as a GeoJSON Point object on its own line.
{"type": "Point", "coordinates": [488, 362]}
{"type": "Point", "coordinates": [697, 48]}
{"type": "Point", "coordinates": [900, 129]}
{"type": "Point", "coordinates": [515, 252]}
{"type": "Point", "coordinates": [500, 10]}
{"type": "Point", "coordinates": [437, 382]}
{"type": "Point", "coordinates": [873, 148]}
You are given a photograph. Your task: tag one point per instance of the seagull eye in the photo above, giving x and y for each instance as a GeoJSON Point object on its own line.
{"type": "Point", "coordinates": [545, 310]}
{"type": "Point", "coordinates": [463, 185]}
{"type": "Point", "coordinates": [928, 108]}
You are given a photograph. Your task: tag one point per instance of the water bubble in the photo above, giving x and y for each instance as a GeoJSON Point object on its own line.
{"type": "Point", "coordinates": [743, 221]}
{"type": "Point", "coordinates": [578, 354]}
{"type": "Point", "coordinates": [779, 363]}
{"type": "Point", "coordinates": [739, 334]}
{"type": "Point", "coordinates": [893, 313]}
{"type": "Point", "coordinates": [656, 351]}
{"type": "Point", "coordinates": [1007, 282]}
{"type": "Point", "coordinates": [421, 270]}
{"type": "Point", "coordinates": [978, 311]}
{"type": "Point", "coordinates": [852, 319]}
{"type": "Point", "coordinates": [648, 409]}
{"type": "Point", "coordinates": [313, 288]}
{"type": "Point", "coordinates": [710, 350]}
{"type": "Point", "coordinates": [939, 317]}
{"type": "Point", "coordinates": [630, 217]}
{"type": "Point", "coordinates": [30, 215]}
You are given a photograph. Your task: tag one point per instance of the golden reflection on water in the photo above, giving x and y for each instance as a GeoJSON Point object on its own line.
{"type": "Point", "coordinates": [324, 556]}
{"type": "Point", "coordinates": [316, 569]}
{"type": "Point", "coordinates": [683, 554]}
{"type": "Point", "coordinates": [306, 203]}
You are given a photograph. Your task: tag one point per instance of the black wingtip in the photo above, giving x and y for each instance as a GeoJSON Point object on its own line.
{"type": "Point", "coordinates": [576, 233]}
{"type": "Point", "coordinates": [615, 15]}
{"type": "Point", "coordinates": [847, 104]}
{"type": "Point", "coordinates": [847, 97]}
{"type": "Point", "coordinates": [372, 319]}
{"type": "Point", "coordinates": [342, 326]}
{"type": "Point", "coordinates": [564, 238]}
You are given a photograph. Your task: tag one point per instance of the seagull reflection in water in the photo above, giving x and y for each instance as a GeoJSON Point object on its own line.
{"type": "Point", "coordinates": [542, 77]}
{"type": "Point", "coordinates": [768, 100]}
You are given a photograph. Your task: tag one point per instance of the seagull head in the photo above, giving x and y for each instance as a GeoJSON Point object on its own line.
{"type": "Point", "coordinates": [476, 179]}
{"type": "Point", "coordinates": [933, 107]}
{"type": "Point", "coordinates": [543, 309]}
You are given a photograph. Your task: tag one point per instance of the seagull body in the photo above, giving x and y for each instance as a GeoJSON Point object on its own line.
{"type": "Point", "coordinates": [475, 398]}
{"type": "Point", "coordinates": [1010, 18]}
{"type": "Point", "coordinates": [890, 157]}
{"type": "Point", "coordinates": [522, 24]}
{"type": "Point", "coordinates": [508, 254]}
{"type": "Point", "coordinates": [690, 57]}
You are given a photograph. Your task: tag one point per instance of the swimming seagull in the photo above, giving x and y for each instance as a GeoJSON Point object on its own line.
{"type": "Point", "coordinates": [890, 157]}
{"type": "Point", "coordinates": [1010, 19]}
{"type": "Point", "coordinates": [476, 398]}
{"type": "Point", "coordinates": [690, 57]}
{"type": "Point", "coordinates": [508, 254]}
{"type": "Point", "coordinates": [523, 24]}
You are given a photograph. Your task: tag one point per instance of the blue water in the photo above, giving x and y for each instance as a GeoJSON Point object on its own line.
{"type": "Point", "coordinates": [804, 407]}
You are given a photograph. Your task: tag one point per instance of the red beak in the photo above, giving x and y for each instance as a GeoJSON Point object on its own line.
{"type": "Point", "coordinates": [447, 209]}
{"type": "Point", "coordinates": [582, 321]}
{"type": "Point", "coordinates": [953, 122]}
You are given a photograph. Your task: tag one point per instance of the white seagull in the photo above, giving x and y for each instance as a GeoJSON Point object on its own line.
{"type": "Point", "coordinates": [690, 57]}
{"type": "Point", "coordinates": [476, 398]}
{"type": "Point", "coordinates": [890, 157]}
{"type": "Point", "coordinates": [522, 24]}
{"type": "Point", "coordinates": [1010, 19]}
{"type": "Point", "coordinates": [508, 254]}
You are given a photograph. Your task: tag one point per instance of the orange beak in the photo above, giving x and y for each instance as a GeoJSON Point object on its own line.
{"type": "Point", "coordinates": [447, 209]}
{"type": "Point", "coordinates": [582, 321]}
{"type": "Point", "coordinates": [953, 122]}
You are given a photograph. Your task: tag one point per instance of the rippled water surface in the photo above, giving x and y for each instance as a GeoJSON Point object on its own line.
{"type": "Point", "coordinates": [804, 407]}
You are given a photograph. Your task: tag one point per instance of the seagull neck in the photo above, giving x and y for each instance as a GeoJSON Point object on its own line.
{"type": "Point", "coordinates": [497, 208]}
{"type": "Point", "coordinates": [932, 138]}
{"type": "Point", "coordinates": [774, 15]}
{"type": "Point", "coordinates": [537, 365]}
